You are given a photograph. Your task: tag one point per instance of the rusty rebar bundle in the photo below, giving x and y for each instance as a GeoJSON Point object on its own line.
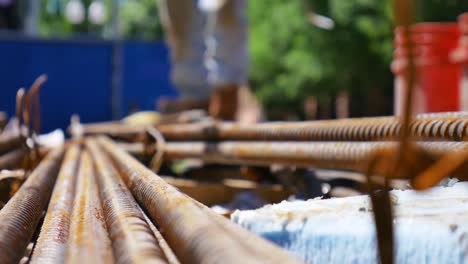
{"type": "Point", "coordinates": [88, 237]}
{"type": "Point", "coordinates": [329, 155]}
{"type": "Point", "coordinates": [193, 235]}
{"type": "Point", "coordinates": [132, 238]}
{"type": "Point", "coordinates": [52, 243]}
{"type": "Point", "coordinates": [20, 216]}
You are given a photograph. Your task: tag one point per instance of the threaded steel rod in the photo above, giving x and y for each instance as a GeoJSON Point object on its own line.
{"type": "Point", "coordinates": [3, 120]}
{"type": "Point", "coordinates": [191, 233]}
{"type": "Point", "coordinates": [12, 159]}
{"type": "Point", "coordinates": [88, 239]}
{"type": "Point", "coordinates": [327, 155]}
{"type": "Point", "coordinates": [52, 243]}
{"type": "Point", "coordinates": [20, 216]}
{"type": "Point", "coordinates": [237, 232]}
{"type": "Point", "coordinates": [168, 252]}
{"type": "Point", "coordinates": [9, 141]}
{"type": "Point", "coordinates": [132, 238]}
{"type": "Point", "coordinates": [454, 128]}
{"type": "Point", "coordinates": [432, 126]}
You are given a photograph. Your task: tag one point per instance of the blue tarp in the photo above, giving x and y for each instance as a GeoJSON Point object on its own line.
{"type": "Point", "coordinates": [80, 77]}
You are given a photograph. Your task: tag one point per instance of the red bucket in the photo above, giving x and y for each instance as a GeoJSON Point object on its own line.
{"type": "Point", "coordinates": [460, 57]}
{"type": "Point", "coordinates": [437, 78]}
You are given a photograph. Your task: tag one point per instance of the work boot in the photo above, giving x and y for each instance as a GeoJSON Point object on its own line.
{"type": "Point", "coordinates": [235, 103]}
{"type": "Point", "coordinates": [224, 102]}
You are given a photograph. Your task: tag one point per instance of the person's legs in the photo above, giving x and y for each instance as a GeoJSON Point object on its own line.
{"type": "Point", "coordinates": [209, 57]}
{"type": "Point", "coordinates": [184, 26]}
{"type": "Point", "coordinates": [226, 56]}
{"type": "Point", "coordinates": [227, 62]}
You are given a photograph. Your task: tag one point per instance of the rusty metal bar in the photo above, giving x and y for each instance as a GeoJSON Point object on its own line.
{"type": "Point", "coordinates": [52, 243]}
{"type": "Point", "coordinates": [88, 238]}
{"type": "Point", "coordinates": [131, 236]}
{"type": "Point", "coordinates": [139, 149]}
{"type": "Point", "coordinates": [326, 155]}
{"type": "Point", "coordinates": [12, 159]}
{"type": "Point", "coordinates": [452, 127]}
{"type": "Point", "coordinates": [240, 234]}
{"type": "Point", "coordinates": [112, 129]}
{"type": "Point", "coordinates": [168, 252]}
{"type": "Point", "coordinates": [9, 141]}
{"type": "Point", "coordinates": [126, 131]}
{"type": "Point", "coordinates": [3, 120]}
{"type": "Point", "coordinates": [192, 234]}
{"type": "Point", "coordinates": [434, 126]}
{"type": "Point", "coordinates": [20, 216]}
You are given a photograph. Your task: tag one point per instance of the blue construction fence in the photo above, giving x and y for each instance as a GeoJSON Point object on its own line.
{"type": "Point", "coordinates": [80, 77]}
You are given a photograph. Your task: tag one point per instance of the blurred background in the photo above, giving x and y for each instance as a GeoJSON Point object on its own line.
{"type": "Point", "coordinates": [312, 59]}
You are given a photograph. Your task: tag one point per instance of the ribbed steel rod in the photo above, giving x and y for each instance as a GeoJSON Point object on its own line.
{"type": "Point", "coordinates": [3, 120]}
{"type": "Point", "coordinates": [112, 129]}
{"type": "Point", "coordinates": [52, 243]}
{"type": "Point", "coordinates": [168, 252]}
{"type": "Point", "coordinates": [327, 155]}
{"type": "Point", "coordinates": [119, 129]}
{"type": "Point", "coordinates": [12, 159]}
{"type": "Point", "coordinates": [454, 128]}
{"type": "Point", "coordinates": [191, 233]}
{"type": "Point", "coordinates": [88, 238]}
{"type": "Point", "coordinates": [131, 236]}
{"type": "Point", "coordinates": [20, 216]}
{"type": "Point", "coordinates": [9, 141]}
{"type": "Point", "coordinates": [433, 126]}
{"type": "Point", "coordinates": [243, 237]}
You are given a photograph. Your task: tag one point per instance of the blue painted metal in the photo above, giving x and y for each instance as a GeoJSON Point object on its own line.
{"type": "Point", "coordinates": [145, 75]}
{"type": "Point", "coordinates": [79, 76]}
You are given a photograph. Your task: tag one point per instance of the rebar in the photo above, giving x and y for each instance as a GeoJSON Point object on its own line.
{"type": "Point", "coordinates": [20, 216]}
{"type": "Point", "coordinates": [12, 159]}
{"type": "Point", "coordinates": [132, 238]}
{"type": "Point", "coordinates": [240, 234]}
{"type": "Point", "coordinates": [122, 130]}
{"type": "Point", "coordinates": [3, 120]}
{"type": "Point", "coordinates": [9, 141]}
{"type": "Point", "coordinates": [447, 126]}
{"type": "Point", "coordinates": [112, 129]}
{"type": "Point", "coordinates": [432, 126]}
{"type": "Point", "coordinates": [137, 149]}
{"type": "Point", "coordinates": [192, 234]}
{"type": "Point", "coordinates": [326, 155]}
{"type": "Point", "coordinates": [168, 252]}
{"type": "Point", "coordinates": [52, 243]}
{"type": "Point", "coordinates": [88, 238]}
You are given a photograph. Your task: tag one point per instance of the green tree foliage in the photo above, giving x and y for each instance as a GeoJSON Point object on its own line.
{"type": "Point", "coordinates": [292, 58]}
{"type": "Point", "coordinates": [138, 20]}
{"type": "Point", "coordinates": [52, 19]}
